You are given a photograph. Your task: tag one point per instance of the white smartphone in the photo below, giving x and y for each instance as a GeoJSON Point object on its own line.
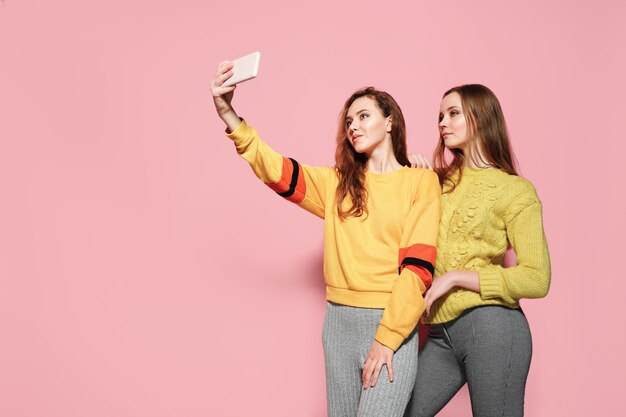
{"type": "Point", "coordinates": [246, 68]}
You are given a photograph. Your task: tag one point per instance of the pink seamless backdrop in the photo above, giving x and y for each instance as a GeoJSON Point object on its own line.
{"type": "Point", "coordinates": [144, 271]}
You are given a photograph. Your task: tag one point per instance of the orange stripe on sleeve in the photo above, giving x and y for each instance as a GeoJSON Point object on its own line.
{"type": "Point", "coordinates": [420, 251]}
{"type": "Point", "coordinates": [420, 259]}
{"type": "Point", "coordinates": [291, 185]}
{"type": "Point", "coordinates": [425, 275]}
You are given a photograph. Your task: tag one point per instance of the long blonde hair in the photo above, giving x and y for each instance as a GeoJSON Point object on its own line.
{"type": "Point", "coordinates": [487, 132]}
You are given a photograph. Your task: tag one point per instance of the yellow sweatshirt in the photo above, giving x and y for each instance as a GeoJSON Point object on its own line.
{"type": "Point", "coordinates": [488, 211]}
{"type": "Point", "coordinates": [382, 260]}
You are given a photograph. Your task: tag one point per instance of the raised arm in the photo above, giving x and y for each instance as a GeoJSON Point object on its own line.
{"type": "Point", "coordinates": [301, 184]}
{"type": "Point", "coordinates": [223, 96]}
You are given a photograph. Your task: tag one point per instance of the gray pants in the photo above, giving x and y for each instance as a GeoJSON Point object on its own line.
{"type": "Point", "coordinates": [489, 348]}
{"type": "Point", "coordinates": [347, 337]}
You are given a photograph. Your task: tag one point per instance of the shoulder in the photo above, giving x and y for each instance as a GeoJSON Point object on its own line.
{"type": "Point", "coordinates": [421, 175]}
{"type": "Point", "coordinates": [424, 183]}
{"type": "Point", "coordinates": [507, 184]}
{"type": "Point", "coordinates": [519, 194]}
{"type": "Point", "coordinates": [519, 187]}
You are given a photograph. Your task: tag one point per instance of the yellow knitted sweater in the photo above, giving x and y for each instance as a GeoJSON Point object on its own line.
{"type": "Point", "coordinates": [488, 211]}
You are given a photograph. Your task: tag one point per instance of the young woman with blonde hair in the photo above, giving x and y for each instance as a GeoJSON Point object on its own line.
{"type": "Point", "coordinates": [478, 333]}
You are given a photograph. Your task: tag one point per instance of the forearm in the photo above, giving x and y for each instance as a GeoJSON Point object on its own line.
{"type": "Point", "coordinates": [465, 279]}
{"type": "Point", "coordinates": [403, 311]}
{"type": "Point", "coordinates": [514, 283]}
{"type": "Point", "coordinates": [227, 113]}
{"type": "Point", "coordinates": [443, 284]}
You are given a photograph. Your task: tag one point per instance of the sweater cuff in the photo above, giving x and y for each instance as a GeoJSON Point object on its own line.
{"type": "Point", "coordinates": [240, 130]}
{"type": "Point", "coordinates": [389, 338]}
{"type": "Point", "coordinates": [491, 284]}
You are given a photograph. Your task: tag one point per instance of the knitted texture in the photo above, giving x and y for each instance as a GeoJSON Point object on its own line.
{"type": "Point", "coordinates": [488, 211]}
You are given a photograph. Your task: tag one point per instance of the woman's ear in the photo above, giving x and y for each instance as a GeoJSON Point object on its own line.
{"type": "Point", "coordinates": [389, 123]}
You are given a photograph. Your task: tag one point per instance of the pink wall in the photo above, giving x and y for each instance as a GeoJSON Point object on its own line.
{"type": "Point", "coordinates": [145, 272]}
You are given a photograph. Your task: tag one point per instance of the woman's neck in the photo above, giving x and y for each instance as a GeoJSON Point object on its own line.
{"type": "Point", "coordinates": [383, 160]}
{"type": "Point", "coordinates": [476, 159]}
{"type": "Point", "coordinates": [476, 164]}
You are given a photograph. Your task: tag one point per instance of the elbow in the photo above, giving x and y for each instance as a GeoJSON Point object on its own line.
{"type": "Point", "coordinates": [541, 285]}
{"type": "Point", "coordinates": [544, 291]}
{"type": "Point", "coordinates": [546, 287]}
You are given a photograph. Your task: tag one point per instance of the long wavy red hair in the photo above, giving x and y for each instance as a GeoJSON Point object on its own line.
{"type": "Point", "coordinates": [350, 165]}
{"type": "Point", "coordinates": [487, 131]}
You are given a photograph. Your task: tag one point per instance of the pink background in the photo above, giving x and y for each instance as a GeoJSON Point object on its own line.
{"type": "Point", "coordinates": [145, 272]}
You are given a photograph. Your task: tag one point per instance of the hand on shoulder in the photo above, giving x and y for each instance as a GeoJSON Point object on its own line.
{"type": "Point", "coordinates": [418, 160]}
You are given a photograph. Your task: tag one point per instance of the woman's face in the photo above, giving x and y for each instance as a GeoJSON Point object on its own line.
{"type": "Point", "coordinates": [452, 122]}
{"type": "Point", "coordinates": [367, 125]}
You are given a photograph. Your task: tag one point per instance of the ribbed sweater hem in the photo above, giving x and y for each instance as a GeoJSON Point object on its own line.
{"type": "Point", "coordinates": [451, 309]}
{"type": "Point", "coordinates": [363, 299]}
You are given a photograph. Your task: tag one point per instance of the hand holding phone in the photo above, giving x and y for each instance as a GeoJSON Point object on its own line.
{"type": "Point", "coordinates": [246, 68]}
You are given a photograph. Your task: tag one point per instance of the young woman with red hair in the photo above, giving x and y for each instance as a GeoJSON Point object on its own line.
{"type": "Point", "coordinates": [380, 229]}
